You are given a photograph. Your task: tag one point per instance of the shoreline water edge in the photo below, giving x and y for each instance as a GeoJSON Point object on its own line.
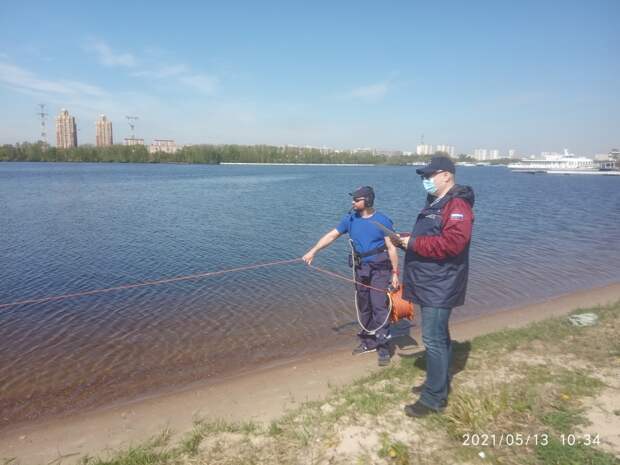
{"type": "Point", "coordinates": [261, 394]}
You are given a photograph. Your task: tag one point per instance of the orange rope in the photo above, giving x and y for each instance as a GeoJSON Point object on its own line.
{"type": "Point", "coordinates": [182, 278]}
{"type": "Point", "coordinates": [147, 283]}
{"type": "Point", "coordinates": [331, 273]}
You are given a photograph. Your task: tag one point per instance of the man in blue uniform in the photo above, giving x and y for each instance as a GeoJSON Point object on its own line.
{"type": "Point", "coordinates": [376, 265]}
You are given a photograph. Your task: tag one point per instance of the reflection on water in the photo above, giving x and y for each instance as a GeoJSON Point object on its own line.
{"type": "Point", "coordinates": [73, 227]}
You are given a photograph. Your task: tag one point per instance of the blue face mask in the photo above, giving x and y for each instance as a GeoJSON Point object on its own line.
{"type": "Point", "coordinates": [429, 186]}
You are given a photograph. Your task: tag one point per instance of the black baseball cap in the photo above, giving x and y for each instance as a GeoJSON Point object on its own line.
{"type": "Point", "coordinates": [437, 164]}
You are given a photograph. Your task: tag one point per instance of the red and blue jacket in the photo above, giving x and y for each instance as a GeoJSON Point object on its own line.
{"type": "Point", "coordinates": [437, 258]}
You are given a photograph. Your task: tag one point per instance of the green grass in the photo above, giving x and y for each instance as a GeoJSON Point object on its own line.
{"type": "Point", "coordinates": [477, 410]}
{"type": "Point", "coordinates": [563, 419]}
{"type": "Point", "coordinates": [395, 451]}
{"type": "Point", "coordinates": [556, 329]}
{"type": "Point", "coordinates": [140, 455]}
{"type": "Point", "coordinates": [153, 452]}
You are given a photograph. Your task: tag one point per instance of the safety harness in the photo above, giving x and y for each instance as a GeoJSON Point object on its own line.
{"type": "Point", "coordinates": [355, 257]}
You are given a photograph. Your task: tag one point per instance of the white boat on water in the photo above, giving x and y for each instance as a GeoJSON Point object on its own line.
{"type": "Point", "coordinates": [565, 164]}
{"type": "Point", "coordinates": [594, 172]}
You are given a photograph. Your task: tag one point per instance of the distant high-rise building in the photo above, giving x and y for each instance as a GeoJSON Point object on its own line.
{"type": "Point", "coordinates": [163, 145]}
{"type": "Point", "coordinates": [424, 149]}
{"type": "Point", "coordinates": [66, 131]}
{"type": "Point", "coordinates": [481, 154]}
{"type": "Point", "coordinates": [449, 149]}
{"type": "Point", "coordinates": [104, 131]}
{"type": "Point", "coordinates": [133, 141]}
{"type": "Point", "coordinates": [512, 153]}
{"type": "Point", "coordinates": [494, 154]}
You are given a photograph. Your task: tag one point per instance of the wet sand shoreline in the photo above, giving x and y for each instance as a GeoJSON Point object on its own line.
{"type": "Point", "coordinates": [260, 394]}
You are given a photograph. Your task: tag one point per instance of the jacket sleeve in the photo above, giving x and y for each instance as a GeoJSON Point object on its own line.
{"type": "Point", "coordinates": [457, 218]}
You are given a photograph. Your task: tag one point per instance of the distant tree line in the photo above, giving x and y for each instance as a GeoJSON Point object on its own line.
{"type": "Point", "coordinates": [85, 153]}
{"type": "Point", "coordinates": [204, 154]}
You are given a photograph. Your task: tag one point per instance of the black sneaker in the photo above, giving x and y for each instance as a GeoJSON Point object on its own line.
{"type": "Point", "coordinates": [419, 410]}
{"type": "Point", "coordinates": [384, 360]}
{"type": "Point", "coordinates": [362, 349]}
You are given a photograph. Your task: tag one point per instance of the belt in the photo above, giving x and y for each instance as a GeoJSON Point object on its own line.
{"type": "Point", "coordinates": [372, 252]}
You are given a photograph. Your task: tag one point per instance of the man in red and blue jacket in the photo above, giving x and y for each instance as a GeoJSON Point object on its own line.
{"type": "Point", "coordinates": [435, 273]}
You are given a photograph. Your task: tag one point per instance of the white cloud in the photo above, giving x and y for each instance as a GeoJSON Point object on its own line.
{"type": "Point", "coordinates": [19, 78]}
{"type": "Point", "coordinates": [369, 93]}
{"type": "Point", "coordinates": [180, 72]}
{"type": "Point", "coordinates": [108, 57]}
{"type": "Point", "coordinates": [201, 82]}
{"type": "Point", "coordinates": [162, 72]}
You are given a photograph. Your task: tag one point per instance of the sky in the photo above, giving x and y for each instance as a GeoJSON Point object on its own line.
{"type": "Point", "coordinates": [529, 75]}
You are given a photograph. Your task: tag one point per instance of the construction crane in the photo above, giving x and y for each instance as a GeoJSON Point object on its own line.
{"type": "Point", "coordinates": [132, 124]}
{"type": "Point", "coordinates": [43, 114]}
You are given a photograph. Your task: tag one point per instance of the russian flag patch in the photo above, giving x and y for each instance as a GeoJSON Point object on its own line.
{"type": "Point", "coordinates": [457, 216]}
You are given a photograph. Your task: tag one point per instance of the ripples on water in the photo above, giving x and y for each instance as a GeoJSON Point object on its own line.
{"type": "Point", "coordinates": [74, 227]}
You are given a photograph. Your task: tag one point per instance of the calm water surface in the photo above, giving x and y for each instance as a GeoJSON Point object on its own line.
{"type": "Point", "coordinates": [67, 228]}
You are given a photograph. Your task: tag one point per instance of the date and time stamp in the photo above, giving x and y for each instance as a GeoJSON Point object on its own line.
{"type": "Point", "coordinates": [498, 440]}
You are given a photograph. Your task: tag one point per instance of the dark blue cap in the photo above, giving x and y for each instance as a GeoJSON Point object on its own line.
{"type": "Point", "coordinates": [363, 192]}
{"type": "Point", "coordinates": [437, 164]}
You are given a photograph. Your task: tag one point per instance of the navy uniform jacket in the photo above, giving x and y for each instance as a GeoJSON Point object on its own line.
{"type": "Point", "coordinates": [437, 257]}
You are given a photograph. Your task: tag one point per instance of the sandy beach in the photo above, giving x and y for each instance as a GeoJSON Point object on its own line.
{"type": "Point", "coordinates": [259, 395]}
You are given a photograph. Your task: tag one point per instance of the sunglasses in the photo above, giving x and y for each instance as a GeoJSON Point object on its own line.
{"type": "Point", "coordinates": [359, 199]}
{"type": "Point", "coordinates": [430, 175]}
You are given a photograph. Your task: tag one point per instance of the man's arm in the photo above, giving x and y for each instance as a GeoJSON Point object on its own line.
{"type": "Point", "coordinates": [458, 219]}
{"type": "Point", "coordinates": [393, 254]}
{"type": "Point", "coordinates": [323, 242]}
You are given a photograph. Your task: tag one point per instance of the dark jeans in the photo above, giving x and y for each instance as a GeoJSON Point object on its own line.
{"type": "Point", "coordinates": [373, 306]}
{"type": "Point", "coordinates": [436, 338]}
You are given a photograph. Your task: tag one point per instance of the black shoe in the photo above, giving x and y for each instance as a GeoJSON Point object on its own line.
{"type": "Point", "coordinates": [384, 360]}
{"type": "Point", "coordinates": [419, 410]}
{"type": "Point", "coordinates": [417, 389]}
{"type": "Point", "coordinates": [362, 349]}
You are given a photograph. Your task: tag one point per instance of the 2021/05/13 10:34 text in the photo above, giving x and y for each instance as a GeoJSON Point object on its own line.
{"type": "Point", "coordinates": [526, 439]}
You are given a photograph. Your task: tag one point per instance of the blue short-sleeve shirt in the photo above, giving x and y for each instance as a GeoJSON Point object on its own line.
{"type": "Point", "coordinates": [365, 235]}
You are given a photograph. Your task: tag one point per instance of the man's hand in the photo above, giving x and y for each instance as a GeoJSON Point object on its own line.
{"type": "Point", "coordinates": [400, 242]}
{"type": "Point", "coordinates": [323, 242]}
{"type": "Point", "coordinates": [308, 257]}
{"type": "Point", "coordinates": [395, 281]}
